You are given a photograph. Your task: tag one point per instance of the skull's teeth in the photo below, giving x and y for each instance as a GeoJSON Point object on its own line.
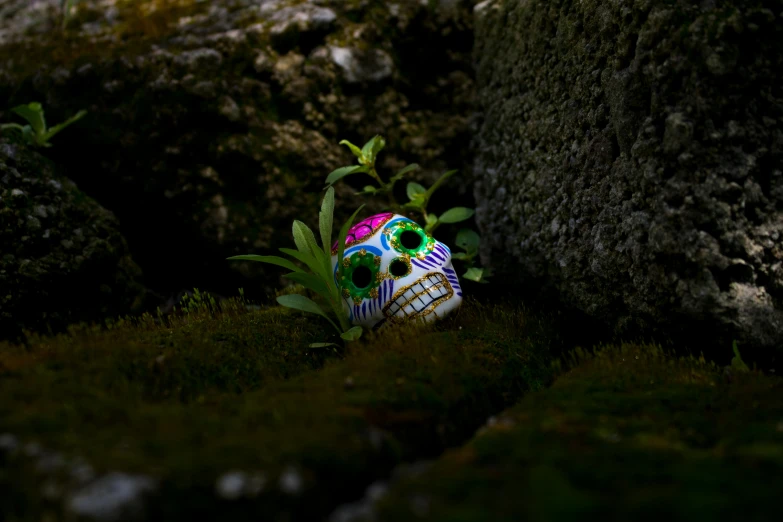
{"type": "Point", "coordinates": [417, 298]}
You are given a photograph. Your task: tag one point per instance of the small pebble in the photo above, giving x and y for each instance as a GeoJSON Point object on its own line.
{"type": "Point", "coordinates": [115, 496]}
{"type": "Point", "coordinates": [291, 481]}
{"type": "Point", "coordinates": [32, 449]}
{"type": "Point", "coordinates": [231, 485]}
{"type": "Point", "coordinates": [49, 462]}
{"type": "Point", "coordinates": [8, 443]}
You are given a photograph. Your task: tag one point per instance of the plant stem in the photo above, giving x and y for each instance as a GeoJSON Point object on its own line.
{"type": "Point", "coordinates": [375, 176]}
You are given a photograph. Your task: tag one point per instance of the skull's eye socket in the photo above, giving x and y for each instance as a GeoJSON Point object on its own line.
{"type": "Point", "coordinates": [361, 277]}
{"type": "Point", "coordinates": [410, 240]}
{"type": "Point", "coordinates": [399, 268]}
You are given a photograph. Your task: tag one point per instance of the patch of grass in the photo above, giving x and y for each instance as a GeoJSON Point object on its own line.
{"type": "Point", "coordinates": [226, 396]}
{"type": "Point", "coordinates": [629, 433]}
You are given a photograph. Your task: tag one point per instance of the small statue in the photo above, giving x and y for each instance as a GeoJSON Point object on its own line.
{"type": "Point", "coordinates": [394, 271]}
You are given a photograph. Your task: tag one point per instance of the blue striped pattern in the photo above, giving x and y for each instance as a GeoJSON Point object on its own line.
{"type": "Point", "coordinates": [451, 275]}
{"type": "Point", "coordinates": [434, 259]}
{"type": "Point", "coordinates": [371, 306]}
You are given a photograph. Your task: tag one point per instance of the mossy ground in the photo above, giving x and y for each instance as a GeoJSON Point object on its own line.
{"type": "Point", "coordinates": [631, 434]}
{"type": "Point", "coordinates": [205, 394]}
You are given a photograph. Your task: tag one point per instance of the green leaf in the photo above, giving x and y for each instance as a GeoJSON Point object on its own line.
{"type": "Point", "coordinates": [440, 181]}
{"type": "Point", "coordinates": [474, 274]}
{"type": "Point", "coordinates": [378, 144]}
{"type": "Point", "coordinates": [462, 256]}
{"type": "Point", "coordinates": [367, 150]}
{"type": "Point", "coordinates": [417, 204]}
{"type": "Point", "coordinates": [315, 265]}
{"type": "Point", "coordinates": [340, 173]}
{"type": "Point", "coordinates": [352, 334]}
{"type": "Point", "coordinates": [468, 240]}
{"type": "Point", "coordinates": [456, 214]}
{"type": "Point", "coordinates": [311, 241]}
{"type": "Point", "coordinates": [326, 221]}
{"type": "Point", "coordinates": [312, 282]}
{"type": "Point", "coordinates": [323, 345]}
{"type": "Point", "coordinates": [356, 150]}
{"type": "Point", "coordinates": [736, 362]}
{"type": "Point", "coordinates": [302, 235]}
{"type": "Point", "coordinates": [405, 170]}
{"type": "Point", "coordinates": [33, 113]}
{"type": "Point", "coordinates": [57, 128]}
{"type": "Point", "coordinates": [369, 189]}
{"type": "Point", "coordinates": [272, 260]}
{"type": "Point", "coordinates": [415, 190]}
{"type": "Point", "coordinates": [344, 233]}
{"type": "Point", "coordinates": [431, 221]}
{"type": "Point", "coordinates": [14, 126]}
{"type": "Point", "coordinates": [304, 304]}
{"type": "Point", "coordinates": [325, 260]}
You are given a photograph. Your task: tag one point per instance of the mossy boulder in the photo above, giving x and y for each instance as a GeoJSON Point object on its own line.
{"type": "Point", "coordinates": [63, 258]}
{"type": "Point", "coordinates": [212, 125]}
{"type": "Point", "coordinates": [632, 434]}
{"type": "Point", "coordinates": [630, 159]}
{"type": "Point", "coordinates": [231, 415]}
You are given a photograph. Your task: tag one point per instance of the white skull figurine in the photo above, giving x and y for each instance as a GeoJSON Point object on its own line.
{"type": "Point", "coordinates": [395, 271]}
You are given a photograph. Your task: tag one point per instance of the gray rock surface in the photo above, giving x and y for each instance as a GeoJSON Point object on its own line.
{"type": "Point", "coordinates": [63, 259]}
{"type": "Point", "coordinates": [212, 125]}
{"type": "Point", "coordinates": [630, 159]}
{"type": "Point", "coordinates": [112, 497]}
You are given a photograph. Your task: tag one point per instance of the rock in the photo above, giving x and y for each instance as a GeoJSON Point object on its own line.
{"type": "Point", "coordinates": [302, 24]}
{"type": "Point", "coordinates": [554, 461]}
{"type": "Point", "coordinates": [241, 409]}
{"type": "Point", "coordinates": [8, 443]}
{"type": "Point", "coordinates": [231, 485]}
{"type": "Point", "coordinates": [247, 92]}
{"type": "Point", "coordinates": [629, 161]}
{"type": "Point", "coordinates": [116, 496]}
{"type": "Point", "coordinates": [362, 66]}
{"type": "Point", "coordinates": [63, 258]}
{"type": "Point", "coordinates": [291, 481]}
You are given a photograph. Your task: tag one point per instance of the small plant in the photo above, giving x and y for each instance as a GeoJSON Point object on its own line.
{"type": "Point", "coordinates": [66, 6]}
{"type": "Point", "coordinates": [469, 241]}
{"type": "Point", "coordinates": [736, 362]}
{"type": "Point", "coordinates": [36, 133]}
{"type": "Point", "coordinates": [418, 197]}
{"type": "Point", "coordinates": [319, 277]}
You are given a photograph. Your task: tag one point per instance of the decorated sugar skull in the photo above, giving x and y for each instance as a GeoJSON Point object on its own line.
{"type": "Point", "coordinates": [395, 271]}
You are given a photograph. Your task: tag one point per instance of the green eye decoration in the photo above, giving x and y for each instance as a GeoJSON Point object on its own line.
{"type": "Point", "coordinates": [410, 239]}
{"type": "Point", "coordinates": [400, 267]}
{"type": "Point", "coordinates": [361, 276]}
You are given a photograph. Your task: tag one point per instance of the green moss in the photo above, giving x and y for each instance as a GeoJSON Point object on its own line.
{"type": "Point", "coordinates": [405, 394]}
{"type": "Point", "coordinates": [628, 435]}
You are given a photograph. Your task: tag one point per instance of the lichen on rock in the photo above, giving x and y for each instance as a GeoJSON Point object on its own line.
{"type": "Point", "coordinates": [212, 125]}
{"type": "Point", "coordinates": [630, 160]}
{"type": "Point", "coordinates": [631, 433]}
{"type": "Point", "coordinates": [215, 414]}
{"type": "Point", "coordinates": [63, 258]}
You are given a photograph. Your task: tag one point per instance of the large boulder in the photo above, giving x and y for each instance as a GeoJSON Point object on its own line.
{"type": "Point", "coordinates": [630, 159]}
{"type": "Point", "coordinates": [63, 259]}
{"type": "Point", "coordinates": [212, 125]}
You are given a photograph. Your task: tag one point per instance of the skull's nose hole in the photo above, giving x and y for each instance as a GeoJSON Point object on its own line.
{"type": "Point", "coordinates": [410, 240]}
{"type": "Point", "coordinates": [399, 268]}
{"type": "Point", "coordinates": [361, 277]}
